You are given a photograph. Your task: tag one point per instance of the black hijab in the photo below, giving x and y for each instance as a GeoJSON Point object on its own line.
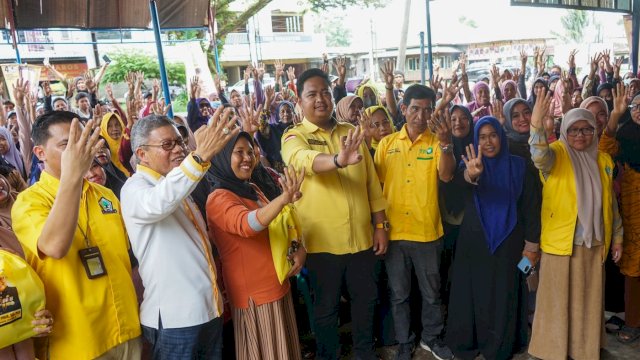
{"type": "Point", "coordinates": [460, 144]}
{"type": "Point", "coordinates": [629, 137]}
{"type": "Point", "coordinates": [224, 176]}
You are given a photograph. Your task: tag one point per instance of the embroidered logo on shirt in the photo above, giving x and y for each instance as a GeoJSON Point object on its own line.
{"type": "Point", "coordinates": [607, 169]}
{"type": "Point", "coordinates": [425, 154]}
{"type": "Point", "coordinates": [430, 150]}
{"type": "Point", "coordinates": [106, 206]}
{"type": "Point", "coordinates": [316, 142]}
{"type": "Point", "coordinates": [393, 151]}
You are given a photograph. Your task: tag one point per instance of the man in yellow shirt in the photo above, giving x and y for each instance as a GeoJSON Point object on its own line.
{"type": "Point", "coordinates": [409, 164]}
{"type": "Point", "coordinates": [342, 198]}
{"type": "Point", "coordinates": [74, 237]}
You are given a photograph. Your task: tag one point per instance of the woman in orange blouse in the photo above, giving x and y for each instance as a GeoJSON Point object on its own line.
{"type": "Point", "coordinates": [238, 215]}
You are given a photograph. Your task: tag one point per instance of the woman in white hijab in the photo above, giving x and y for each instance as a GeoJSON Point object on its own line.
{"type": "Point", "coordinates": [580, 221]}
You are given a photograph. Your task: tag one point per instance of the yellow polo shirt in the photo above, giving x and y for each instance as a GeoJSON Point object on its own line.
{"type": "Point", "coordinates": [91, 316]}
{"type": "Point", "coordinates": [336, 206]}
{"type": "Point", "coordinates": [409, 173]}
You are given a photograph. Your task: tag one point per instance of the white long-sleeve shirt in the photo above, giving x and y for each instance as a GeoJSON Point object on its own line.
{"type": "Point", "coordinates": [169, 239]}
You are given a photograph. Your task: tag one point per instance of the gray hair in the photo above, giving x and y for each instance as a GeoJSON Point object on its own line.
{"type": "Point", "coordinates": [143, 127]}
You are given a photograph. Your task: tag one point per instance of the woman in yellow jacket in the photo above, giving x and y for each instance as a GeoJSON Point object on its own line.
{"type": "Point", "coordinates": [623, 143]}
{"type": "Point", "coordinates": [580, 221]}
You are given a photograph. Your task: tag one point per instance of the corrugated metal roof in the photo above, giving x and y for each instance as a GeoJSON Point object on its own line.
{"type": "Point", "coordinates": [104, 14]}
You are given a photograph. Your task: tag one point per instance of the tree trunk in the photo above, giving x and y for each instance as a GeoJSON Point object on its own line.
{"type": "Point", "coordinates": [402, 47]}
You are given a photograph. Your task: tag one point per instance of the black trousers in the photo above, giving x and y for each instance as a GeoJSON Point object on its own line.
{"type": "Point", "coordinates": [327, 274]}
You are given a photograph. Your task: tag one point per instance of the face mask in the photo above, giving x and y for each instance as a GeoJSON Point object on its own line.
{"type": "Point", "coordinates": [369, 102]}
{"type": "Point", "coordinates": [216, 104]}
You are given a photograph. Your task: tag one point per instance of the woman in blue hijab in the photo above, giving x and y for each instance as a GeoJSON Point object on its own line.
{"type": "Point", "coordinates": [487, 308]}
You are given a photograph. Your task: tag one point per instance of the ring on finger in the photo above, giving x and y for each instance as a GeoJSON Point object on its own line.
{"type": "Point", "coordinates": [226, 131]}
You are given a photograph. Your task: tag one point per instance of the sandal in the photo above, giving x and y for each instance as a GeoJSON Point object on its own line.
{"type": "Point", "coordinates": [614, 324]}
{"type": "Point", "coordinates": [627, 334]}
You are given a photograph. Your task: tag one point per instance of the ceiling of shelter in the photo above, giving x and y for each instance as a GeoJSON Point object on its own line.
{"type": "Point", "coordinates": [103, 14]}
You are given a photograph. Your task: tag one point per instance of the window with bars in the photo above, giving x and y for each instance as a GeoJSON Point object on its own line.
{"type": "Point", "coordinates": [281, 22]}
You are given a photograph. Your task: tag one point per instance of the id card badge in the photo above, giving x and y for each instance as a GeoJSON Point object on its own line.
{"type": "Point", "coordinates": [92, 262]}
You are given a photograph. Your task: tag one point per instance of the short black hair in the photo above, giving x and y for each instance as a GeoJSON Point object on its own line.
{"type": "Point", "coordinates": [81, 95]}
{"type": "Point", "coordinates": [40, 130]}
{"type": "Point", "coordinates": [308, 74]}
{"type": "Point", "coordinates": [8, 102]}
{"type": "Point", "coordinates": [418, 92]}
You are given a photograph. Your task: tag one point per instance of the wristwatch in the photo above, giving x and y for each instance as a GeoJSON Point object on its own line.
{"type": "Point", "coordinates": [198, 159]}
{"type": "Point", "coordinates": [384, 225]}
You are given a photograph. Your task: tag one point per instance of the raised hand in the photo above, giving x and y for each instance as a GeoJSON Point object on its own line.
{"type": "Point", "coordinates": [46, 88]}
{"type": "Point", "coordinates": [541, 109]}
{"type": "Point", "coordinates": [567, 90]}
{"type": "Point", "coordinates": [463, 62]}
{"type": "Point", "coordinates": [572, 59]}
{"type": "Point", "coordinates": [270, 95]}
{"type": "Point", "coordinates": [325, 68]}
{"type": "Point", "coordinates": [516, 75]}
{"type": "Point", "coordinates": [20, 89]}
{"type": "Point", "coordinates": [452, 91]}
{"type": "Point", "coordinates": [212, 138]}
{"type": "Point", "coordinates": [109, 90]}
{"type": "Point", "coordinates": [441, 127]}
{"type": "Point", "coordinates": [216, 83]}
{"type": "Point", "coordinates": [340, 63]}
{"type": "Point", "coordinates": [260, 70]}
{"type": "Point", "coordinates": [250, 117]}
{"type": "Point", "coordinates": [90, 83]}
{"type": "Point", "coordinates": [130, 79]}
{"type": "Point", "coordinates": [620, 104]}
{"type": "Point", "coordinates": [436, 82]}
{"type": "Point", "coordinates": [155, 89]}
{"type": "Point", "coordinates": [366, 125]}
{"type": "Point", "coordinates": [291, 74]}
{"type": "Point", "coordinates": [595, 60]}
{"type": "Point", "coordinates": [474, 164]}
{"type": "Point", "coordinates": [97, 115]}
{"type": "Point", "coordinates": [616, 67]}
{"type": "Point", "coordinates": [160, 108]}
{"type": "Point", "coordinates": [194, 87]}
{"type": "Point", "coordinates": [279, 68]}
{"type": "Point", "coordinates": [290, 182]}
{"type": "Point", "coordinates": [606, 57]}
{"type": "Point", "coordinates": [81, 149]}
{"type": "Point", "coordinates": [523, 58]}
{"type": "Point", "coordinates": [495, 74]}
{"type": "Point", "coordinates": [387, 73]}
{"type": "Point", "coordinates": [496, 109]}
{"type": "Point", "coordinates": [247, 73]}
{"type": "Point", "coordinates": [349, 148]}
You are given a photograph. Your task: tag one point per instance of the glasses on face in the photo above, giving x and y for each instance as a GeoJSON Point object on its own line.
{"type": "Point", "coordinates": [168, 145]}
{"type": "Point", "coordinates": [588, 131]}
{"type": "Point", "coordinates": [634, 107]}
{"type": "Point", "coordinates": [418, 109]}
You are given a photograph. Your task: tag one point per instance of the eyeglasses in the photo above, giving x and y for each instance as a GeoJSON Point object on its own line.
{"type": "Point", "coordinates": [168, 145]}
{"type": "Point", "coordinates": [588, 131]}
{"type": "Point", "coordinates": [634, 107]}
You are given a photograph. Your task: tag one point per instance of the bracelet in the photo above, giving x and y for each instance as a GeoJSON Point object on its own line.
{"type": "Point", "coordinates": [391, 88]}
{"type": "Point", "coordinates": [335, 161]}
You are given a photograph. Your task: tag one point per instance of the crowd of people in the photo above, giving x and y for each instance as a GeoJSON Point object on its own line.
{"type": "Point", "coordinates": [464, 218]}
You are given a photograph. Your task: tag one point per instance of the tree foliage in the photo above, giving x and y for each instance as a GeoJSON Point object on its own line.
{"type": "Point", "coordinates": [574, 24]}
{"type": "Point", "coordinates": [128, 61]}
{"type": "Point", "coordinates": [228, 20]}
{"type": "Point", "coordinates": [334, 30]}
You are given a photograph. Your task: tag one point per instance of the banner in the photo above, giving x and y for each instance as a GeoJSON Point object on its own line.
{"type": "Point", "coordinates": [11, 73]}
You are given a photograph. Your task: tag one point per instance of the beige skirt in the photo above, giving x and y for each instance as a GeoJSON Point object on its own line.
{"type": "Point", "coordinates": [569, 317]}
{"type": "Point", "coordinates": [267, 331]}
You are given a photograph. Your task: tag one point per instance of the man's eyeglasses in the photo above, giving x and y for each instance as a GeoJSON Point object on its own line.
{"type": "Point", "coordinates": [168, 145]}
{"type": "Point", "coordinates": [634, 107]}
{"type": "Point", "coordinates": [584, 131]}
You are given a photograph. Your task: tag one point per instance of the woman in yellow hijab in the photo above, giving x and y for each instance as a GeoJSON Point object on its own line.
{"type": "Point", "coordinates": [369, 95]}
{"type": "Point", "coordinates": [111, 129]}
{"type": "Point", "coordinates": [377, 123]}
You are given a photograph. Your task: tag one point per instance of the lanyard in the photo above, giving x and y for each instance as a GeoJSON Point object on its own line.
{"type": "Point", "coordinates": [85, 232]}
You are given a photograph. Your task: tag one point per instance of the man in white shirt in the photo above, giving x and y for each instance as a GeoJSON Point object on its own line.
{"type": "Point", "coordinates": [182, 306]}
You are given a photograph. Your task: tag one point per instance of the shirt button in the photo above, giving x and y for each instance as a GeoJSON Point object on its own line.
{"type": "Point", "coordinates": [408, 164]}
{"type": "Point", "coordinates": [408, 181]}
{"type": "Point", "coordinates": [407, 213]}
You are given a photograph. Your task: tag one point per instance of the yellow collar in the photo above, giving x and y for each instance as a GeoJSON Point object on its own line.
{"type": "Point", "coordinates": [147, 170]}
{"type": "Point", "coordinates": [52, 184]}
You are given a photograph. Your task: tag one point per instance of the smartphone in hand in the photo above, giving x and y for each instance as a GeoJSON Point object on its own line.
{"type": "Point", "coordinates": [525, 265]}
